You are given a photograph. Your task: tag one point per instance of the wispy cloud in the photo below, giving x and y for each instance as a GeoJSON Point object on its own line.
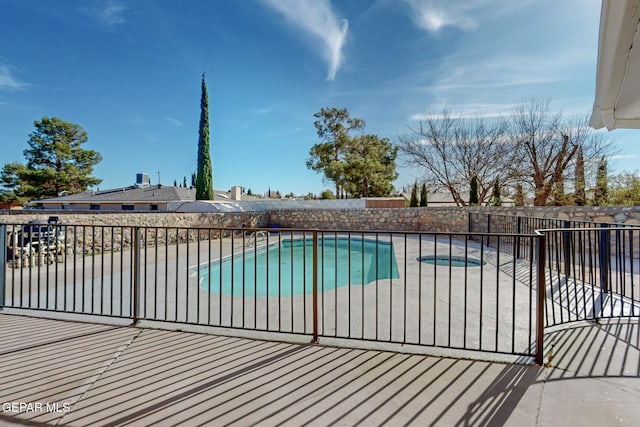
{"type": "Point", "coordinates": [505, 71]}
{"type": "Point", "coordinates": [465, 111]}
{"type": "Point", "coordinates": [480, 84]}
{"type": "Point", "coordinates": [174, 122]}
{"type": "Point", "coordinates": [110, 13]}
{"type": "Point", "coordinates": [434, 15]}
{"type": "Point", "coordinates": [622, 156]}
{"type": "Point", "coordinates": [317, 19]}
{"type": "Point", "coordinates": [8, 81]}
{"type": "Point", "coordinates": [470, 110]}
{"type": "Point", "coordinates": [264, 110]}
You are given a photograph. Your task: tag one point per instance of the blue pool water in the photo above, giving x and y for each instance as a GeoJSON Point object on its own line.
{"type": "Point", "coordinates": [288, 270]}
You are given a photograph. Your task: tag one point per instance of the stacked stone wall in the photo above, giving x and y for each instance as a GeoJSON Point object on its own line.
{"type": "Point", "coordinates": [148, 219]}
{"type": "Point", "coordinates": [629, 215]}
{"type": "Point", "coordinates": [113, 231]}
{"type": "Point", "coordinates": [447, 219]}
{"type": "Point", "coordinates": [92, 233]}
{"type": "Point", "coordinates": [443, 219]}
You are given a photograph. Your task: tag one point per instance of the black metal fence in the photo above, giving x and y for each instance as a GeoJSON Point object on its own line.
{"type": "Point", "coordinates": [453, 290]}
{"type": "Point", "coordinates": [592, 269]}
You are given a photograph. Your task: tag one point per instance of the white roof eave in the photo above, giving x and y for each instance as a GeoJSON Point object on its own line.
{"type": "Point", "coordinates": [617, 101]}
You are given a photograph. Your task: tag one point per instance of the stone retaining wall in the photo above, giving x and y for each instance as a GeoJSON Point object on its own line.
{"type": "Point", "coordinates": [104, 232]}
{"type": "Point", "coordinates": [112, 231]}
{"type": "Point", "coordinates": [445, 219]}
{"type": "Point", "coordinates": [629, 215]}
{"type": "Point", "coordinates": [155, 219]}
{"type": "Point", "coordinates": [405, 219]}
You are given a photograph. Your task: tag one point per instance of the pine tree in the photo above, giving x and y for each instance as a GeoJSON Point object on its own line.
{"type": "Point", "coordinates": [204, 177]}
{"type": "Point", "coordinates": [423, 195]}
{"type": "Point", "coordinates": [333, 127]}
{"type": "Point", "coordinates": [473, 192]}
{"type": "Point", "coordinates": [175, 183]}
{"type": "Point", "coordinates": [580, 197]}
{"type": "Point", "coordinates": [193, 180]}
{"type": "Point", "coordinates": [414, 196]}
{"type": "Point", "coordinates": [601, 196]}
{"type": "Point", "coordinates": [56, 163]}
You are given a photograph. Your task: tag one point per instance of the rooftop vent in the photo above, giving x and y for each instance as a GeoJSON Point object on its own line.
{"type": "Point", "coordinates": [142, 180]}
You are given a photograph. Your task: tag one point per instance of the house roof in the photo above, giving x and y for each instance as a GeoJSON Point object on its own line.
{"type": "Point", "coordinates": [152, 193]}
{"type": "Point", "coordinates": [617, 100]}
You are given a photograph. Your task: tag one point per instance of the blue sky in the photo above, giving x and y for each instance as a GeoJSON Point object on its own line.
{"type": "Point", "coordinates": [129, 73]}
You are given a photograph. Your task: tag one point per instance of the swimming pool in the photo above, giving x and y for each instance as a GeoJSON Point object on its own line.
{"type": "Point", "coordinates": [287, 269]}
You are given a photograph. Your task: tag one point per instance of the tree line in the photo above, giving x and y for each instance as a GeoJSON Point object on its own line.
{"type": "Point", "coordinates": [534, 151]}
{"type": "Point", "coordinates": [533, 154]}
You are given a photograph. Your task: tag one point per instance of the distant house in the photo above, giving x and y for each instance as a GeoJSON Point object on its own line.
{"type": "Point", "coordinates": [139, 197]}
{"type": "Point", "coordinates": [11, 205]}
{"type": "Point", "coordinates": [132, 198]}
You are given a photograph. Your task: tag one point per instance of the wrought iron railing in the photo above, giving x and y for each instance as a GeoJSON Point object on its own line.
{"type": "Point", "coordinates": [592, 269]}
{"type": "Point", "coordinates": [449, 290]}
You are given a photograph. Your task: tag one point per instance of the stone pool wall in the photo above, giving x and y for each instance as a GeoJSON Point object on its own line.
{"type": "Point", "coordinates": [444, 219]}
{"type": "Point", "coordinates": [113, 230]}
{"type": "Point", "coordinates": [148, 219]}
{"type": "Point", "coordinates": [450, 219]}
{"type": "Point", "coordinates": [629, 215]}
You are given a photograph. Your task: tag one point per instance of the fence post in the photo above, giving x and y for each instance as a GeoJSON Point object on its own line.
{"type": "Point", "coordinates": [488, 229]}
{"type": "Point", "coordinates": [518, 233]}
{"type": "Point", "coordinates": [3, 263]}
{"type": "Point", "coordinates": [315, 287]}
{"type": "Point", "coordinates": [603, 255]}
{"type": "Point", "coordinates": [541, 293]}
{"type": "Point", "coordinates": [136, 275]}
{"type": "Point", "coordinates": [566, 249]}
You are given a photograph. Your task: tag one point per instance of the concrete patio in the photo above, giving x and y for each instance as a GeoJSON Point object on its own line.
{"type": "Point", "coordinates": [68, 373]}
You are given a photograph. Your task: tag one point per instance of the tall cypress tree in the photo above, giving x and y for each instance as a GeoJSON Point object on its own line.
{"type": "Point", "coordinates": [413, 203]}
{"type": "Point", "coordinates": [473, 192]}
{"type": "Point", "coordinates": [518, 199]}
{"type": "Point", "coordinates": [601, 194]}
{"type": "Point", "coordinates": [580, 197]}
{"type": "Point", "coordinates": [204, 177]}
{"type": "Point", "coordinates": [559, 198]}
{"type": "Point", "coordinates": [496, 197]}
{"type": "Point", "coordinates": [423, 195]}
